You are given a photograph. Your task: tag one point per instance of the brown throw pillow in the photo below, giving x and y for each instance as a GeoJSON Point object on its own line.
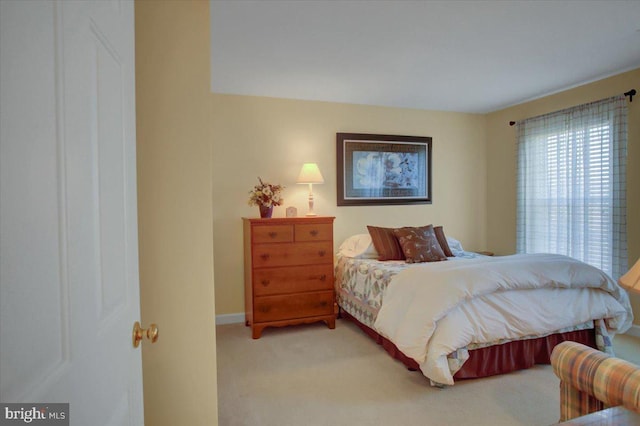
{"type": "Point", "coordinates": [442, 240]}
{"type": "Point", "coordinates": [385, 243]}
{"type": "Point", "coordinates": [419, 244]}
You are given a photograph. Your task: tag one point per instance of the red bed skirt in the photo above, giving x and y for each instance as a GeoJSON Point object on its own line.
{"type": "Point", "coordinates": [493, 360]}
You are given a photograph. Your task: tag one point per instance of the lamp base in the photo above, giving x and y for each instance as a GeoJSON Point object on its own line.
{"type": "Point", "coordinates": [311, 213]}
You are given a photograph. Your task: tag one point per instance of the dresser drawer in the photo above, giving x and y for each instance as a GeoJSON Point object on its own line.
{"type": "Point", "coordinates": [314, 232]}
{"type": "Point", "coordinates": [295, 279]}
{"type": "Point", "coordinates": [267, 255]}
{"type": "Point", "coordinates": [272, 234]}
{"type": "Point", "coordinates": [276, 308]}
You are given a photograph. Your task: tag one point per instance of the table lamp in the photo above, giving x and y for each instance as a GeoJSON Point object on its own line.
{"type": "Point", "coordinates": [310, 174]}
{"type": "Point", "coordinates": [631, 280]}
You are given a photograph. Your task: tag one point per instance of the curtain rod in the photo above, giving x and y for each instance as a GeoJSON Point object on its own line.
{"type": "Point", "coordinates": [631, 93]}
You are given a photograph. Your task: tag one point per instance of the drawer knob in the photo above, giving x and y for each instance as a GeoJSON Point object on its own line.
{"type": "Point", "coordinates": [264, 309]}
{"type": "Point", "coordinates": [313, 232]}
{"type": "Point", "coordinates": [323, 277]}
{"type": "Point", "coordinates": [265, 282]}
{"type": "Point", "coordinates": [273, 234]}
{"type": "Point", "coordinates": [321, 253]}
{"type": "Point", "coordinates": [264, 256]}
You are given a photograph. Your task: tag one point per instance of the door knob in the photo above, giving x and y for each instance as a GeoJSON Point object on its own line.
{"type": "Point", "coordinates": [150, 333]}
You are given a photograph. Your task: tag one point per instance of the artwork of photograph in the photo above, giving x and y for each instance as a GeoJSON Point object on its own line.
{"type": "Point", "coordinates": [383, 169]}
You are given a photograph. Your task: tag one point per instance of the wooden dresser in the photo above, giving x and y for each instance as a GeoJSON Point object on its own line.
{"type": "Point", "coordinates": [288, 272]}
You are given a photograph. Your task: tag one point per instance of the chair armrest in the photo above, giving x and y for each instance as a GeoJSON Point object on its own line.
{"type": "Point", "coordinates": [585, 372]}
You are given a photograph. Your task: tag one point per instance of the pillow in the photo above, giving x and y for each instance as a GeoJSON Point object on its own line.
{"type": "Point", "coordinates": [442, 240]}
{"type": "Point", "coordinates": [385, 243]}
{"type": "Point", "coordinates": [358, 246]}
{"type": "Point", "coordinates": [419, 244]}
{"type": "Point", "coordinates": [454, 244]}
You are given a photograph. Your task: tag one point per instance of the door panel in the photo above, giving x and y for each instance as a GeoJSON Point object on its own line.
{"type": "Point", "coordinates": [29, 151]}
{"type": "Point", "coordinates": [108, 159]}
{"type": "Point", "coordinates": [69, 268]}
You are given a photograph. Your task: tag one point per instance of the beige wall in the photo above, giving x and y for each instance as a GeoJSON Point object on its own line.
{"type": "Point", "coordinates": [271, 138]}
{"type": "Point", "coordinates": [501, 162]}
{"type": "Point", "coordinates": [175, 211]}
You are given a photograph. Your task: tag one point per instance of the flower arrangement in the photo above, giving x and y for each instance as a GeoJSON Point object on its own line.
{"type": "Point", "coordinates": [266, 194]}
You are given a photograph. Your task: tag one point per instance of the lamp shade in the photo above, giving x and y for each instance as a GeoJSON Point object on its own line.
{"type": "Point", "coordinates": [310, 173]}
{"type": "Point", "coordinates": [631, 280]}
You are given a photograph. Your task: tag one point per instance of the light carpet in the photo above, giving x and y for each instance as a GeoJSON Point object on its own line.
{"type": "Point", "coordinates": [310, 375]}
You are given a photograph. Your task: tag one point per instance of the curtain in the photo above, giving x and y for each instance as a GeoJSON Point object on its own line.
{"type": "Point", "coordinates": [571, 184]}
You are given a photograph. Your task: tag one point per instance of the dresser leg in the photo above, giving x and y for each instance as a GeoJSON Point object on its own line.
{"type": "Point", "coordinates": [331, 323]}
{"type": "Point", "coordinates": [256, 331]}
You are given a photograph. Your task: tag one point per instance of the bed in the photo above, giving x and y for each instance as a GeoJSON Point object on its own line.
{"type": "Point", "coordinates": [475, 316]}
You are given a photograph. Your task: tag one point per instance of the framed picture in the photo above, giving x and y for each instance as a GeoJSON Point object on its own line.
{"type": "Point", "coordinates": [383, 169]}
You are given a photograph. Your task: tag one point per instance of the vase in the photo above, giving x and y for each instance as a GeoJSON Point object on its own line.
{"type": "Point", "coordinates": [266, 211]}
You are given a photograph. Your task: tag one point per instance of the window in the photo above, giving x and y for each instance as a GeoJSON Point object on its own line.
{"type": "Point", "coordinates": [571, 184]}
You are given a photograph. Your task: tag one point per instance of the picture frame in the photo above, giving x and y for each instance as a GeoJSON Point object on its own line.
{"type": "Point", "coordinates": [292, 211]}
{"type": "Point", "coordinates": [383, 169]}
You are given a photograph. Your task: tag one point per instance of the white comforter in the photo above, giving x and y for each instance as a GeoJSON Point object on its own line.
{"type": "Point", "coordinates": [433, 309]}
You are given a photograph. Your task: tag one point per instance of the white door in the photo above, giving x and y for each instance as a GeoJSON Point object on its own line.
{"type": "Point", "coordinates": [69, 292]}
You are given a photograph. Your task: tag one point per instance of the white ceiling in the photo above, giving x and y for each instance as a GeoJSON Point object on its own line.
{"type": "Point", "coordinates": [467, 56]}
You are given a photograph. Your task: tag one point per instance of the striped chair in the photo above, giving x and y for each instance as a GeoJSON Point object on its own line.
{"type": "Point", "coordinates": [591, 380]}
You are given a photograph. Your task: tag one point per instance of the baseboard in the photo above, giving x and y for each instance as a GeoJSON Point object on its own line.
{"type": "Point", "coordinates": [634, 331]}
{"type": "Point", "coordinates": [229, 318]}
